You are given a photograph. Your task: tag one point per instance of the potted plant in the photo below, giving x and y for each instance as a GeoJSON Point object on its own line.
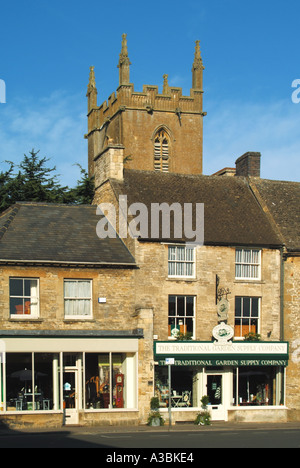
{"type": "Point", "coordinates": [155, 418]}
{"type": "Point", "coordinates": [252, 337]}
{"type": "Point", "coordinates": [204, 417]}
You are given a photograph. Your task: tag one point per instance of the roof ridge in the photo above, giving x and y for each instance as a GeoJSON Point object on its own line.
{"type": "Point", "coordinates": [63, 205]}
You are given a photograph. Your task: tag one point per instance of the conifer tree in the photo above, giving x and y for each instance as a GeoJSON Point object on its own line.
{"type": "Point", "coordinates": [36, 182]}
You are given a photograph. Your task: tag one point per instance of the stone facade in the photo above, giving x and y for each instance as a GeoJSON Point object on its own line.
{"type": "Point", "coordinates": [111, 284]}
{"type": "Point", "coordinates": [292, 332]}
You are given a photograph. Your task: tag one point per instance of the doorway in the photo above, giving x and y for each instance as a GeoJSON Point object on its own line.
{"type": "Point", "coordinates": [215, 386]}
{"type": "Point", "coordinates": [70, 397]}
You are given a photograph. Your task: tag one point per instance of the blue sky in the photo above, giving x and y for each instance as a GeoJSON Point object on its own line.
{"type": "Point", "coordinates": [250, 51]}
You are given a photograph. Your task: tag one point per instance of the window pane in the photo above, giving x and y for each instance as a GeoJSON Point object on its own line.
{"type": "Point", "coordinates": [172, 306]}
{"type": "Point", "coordinates": [246, 307]}
{"type": "Point", "coordinates": [97, 380]}
{"type": "Point", "coordinates": [70, 288]}
{"type": "Point", "coordinates": [237, 328]}
{"type": "Point", "coordinates": [17, 306]}
{"type": "Point", "coordinates": [19, 382]}
{"type": "Point", "coordinates": [172, 269]}
{"type": "Point", "coordinates": [238, 306]}
{"type": "Point", "coordinates": [46, 369]}
{"type": "Point", "coordinates": [247, 256]}
{"type": "Point", "coordinates": [238, 271]}
{"type": "Point", "coordinates": [255, 307]}
{"type": "Point", "coordinates": [77, 307]}
{"type": "Point", "coordinates": [180, 306]}
{"type": "Point", "coordinates": [256, 386]}
{"type": "Point", "coordinates": [118, 380]}
{"type": "Point", "coordinates": [189, 326]}
{"type": "Point", "coordinates": [16, 287]}
{"type": "Point", "coordinates": [190, 254]}
{"type": "Point", "coordinates": [181, 253]}
{"type": "Point", "coordinates": [238, 255]}
{"type": "Point", "coordinates": [80, 289]}
{"type": "Point", "coordinates": [180, 269]}
{"type": "Point", "coordinates": [172, 253]}
{"type": "Point", "coordinates": [189, 306]}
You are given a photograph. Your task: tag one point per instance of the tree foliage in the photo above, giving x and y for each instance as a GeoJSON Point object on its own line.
{"type": "Point", "coordinates": [33, 181]}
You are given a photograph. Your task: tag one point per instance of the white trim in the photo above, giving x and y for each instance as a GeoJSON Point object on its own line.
{"type": "Point", "coordinates": [79, 317]}
{"type": "Point", "coordinates": [242, 264]}
{"type": "Point", "coordinates": [24, 316]}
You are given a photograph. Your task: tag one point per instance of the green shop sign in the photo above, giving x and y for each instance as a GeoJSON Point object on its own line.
{"type": "Point", "coordinates": [205, 354]}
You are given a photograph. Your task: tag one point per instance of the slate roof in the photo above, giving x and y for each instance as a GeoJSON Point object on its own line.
{"type": "Point", "coordinates": [38, 232]}
{"type": "Point", "coordinates": [282, 201]}
{"type": "Point", "coordinates": [232, 214]}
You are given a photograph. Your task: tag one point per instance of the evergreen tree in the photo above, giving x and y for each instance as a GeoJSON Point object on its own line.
{"type": "Point", "coordinates": [83, 193]}
{"type": "Point", "coordinates": [38, 183]}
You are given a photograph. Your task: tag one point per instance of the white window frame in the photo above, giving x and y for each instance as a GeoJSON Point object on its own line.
{"type": "Point", "coordinates": [34, 300]}
{"type": "Point", "coordinates": [243, 264]}
{"type": "Point", "coordinates": [242, 317]}
{"type": "Point", "coordinates": [183, 262]}
{"type": "Point", "coordinates": [178, 318]}
{"type": "Point", "coordinates": [78, 317]}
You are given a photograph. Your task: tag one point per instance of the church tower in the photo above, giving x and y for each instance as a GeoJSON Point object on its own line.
{"type": "Point", "coordinates": [148, 130]}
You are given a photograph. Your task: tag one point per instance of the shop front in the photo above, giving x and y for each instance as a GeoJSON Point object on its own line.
{"type": "Point", "coordinates": [239, 378]}
{"type": "Point", "coordinates": [73, 377]}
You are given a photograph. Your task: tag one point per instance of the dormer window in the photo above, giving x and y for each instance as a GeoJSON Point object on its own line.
{"type": "Point", "coordinates": [161, 151]}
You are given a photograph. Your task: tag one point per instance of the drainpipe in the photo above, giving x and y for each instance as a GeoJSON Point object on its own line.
{"type": "Point", "coordinates": [282, 260]}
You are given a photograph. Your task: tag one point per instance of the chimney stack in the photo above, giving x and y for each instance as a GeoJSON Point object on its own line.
{"type": "Point", "coordinates": [248, 165]}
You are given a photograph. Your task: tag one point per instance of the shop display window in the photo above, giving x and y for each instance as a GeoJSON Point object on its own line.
{"type": "Point", "coordinates": [182, 394]}
{"type": "Point", "coordinates": [105, 376]}
{"type": "Point", "coordinates": [29, 382]}
{"type": "Point", "coordinates": [259, 386]}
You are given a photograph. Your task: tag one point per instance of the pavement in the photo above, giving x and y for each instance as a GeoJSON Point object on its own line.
{"type": "Point", "coordinates": [216, 426]}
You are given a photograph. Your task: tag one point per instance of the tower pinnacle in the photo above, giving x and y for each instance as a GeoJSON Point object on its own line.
{"type": "Point", "coordinates": [124, 63]}
{"type": "Point", "coordinates": [92, 90]}
{"type": "Point", "coordinates": [198, 68]}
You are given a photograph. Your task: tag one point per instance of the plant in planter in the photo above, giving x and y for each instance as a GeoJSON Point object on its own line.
{"type": "Point", "coordinates": [204, 417]}
{"type": "Point", "coordinates": [155, 418]}
{"type": "Point", "coordinates": [252, 337]}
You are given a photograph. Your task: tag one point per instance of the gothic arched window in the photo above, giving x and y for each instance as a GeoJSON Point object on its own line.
{"type": "Point", "coordinates": [161, 151]}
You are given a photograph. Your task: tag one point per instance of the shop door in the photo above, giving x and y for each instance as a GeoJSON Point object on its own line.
{"type": "Point", "coordinates": [70, 396]}
{"type": "Point", "coordinates": [215, 392]}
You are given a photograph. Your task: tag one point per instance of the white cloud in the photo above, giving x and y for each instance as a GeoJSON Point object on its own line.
{"type": "Point", "coordinates": [233, 128]}
{"type": "Point", "coordinates": [54, 125]}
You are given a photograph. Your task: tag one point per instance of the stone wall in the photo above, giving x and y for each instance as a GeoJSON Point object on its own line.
{"type": "Point", "coordinates": [292, 333]}
{"type": "Point", "coordinates": [153, 287]}
{"type": "Point", "coordinates": [113, 284]}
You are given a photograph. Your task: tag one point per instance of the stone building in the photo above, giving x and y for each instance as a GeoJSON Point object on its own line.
{"type": "Point", "coordinates": [280, 201]}
{"type": "Point", "coordinates": [167, 264]}
{"type": "Point", "coordinates": [237, 266]}
{"type": "Point", "coordinates": [70, 343]}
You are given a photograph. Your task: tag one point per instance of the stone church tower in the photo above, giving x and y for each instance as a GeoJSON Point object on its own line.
{"type": "Point", "coordinates": [146, 130]}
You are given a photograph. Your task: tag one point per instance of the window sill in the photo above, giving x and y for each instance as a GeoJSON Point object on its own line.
{"type": "Point", "coordinates": [26, 318]}
{"type": "Point", "coordinates": [252, 281]}
{"type": "Point", "coordinates": [188, 279]}
{"type": "Point", "coordinates": [79, 319]}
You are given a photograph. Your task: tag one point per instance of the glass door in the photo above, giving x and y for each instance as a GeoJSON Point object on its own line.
{"type": "Point", "coordinates": [70, 396]}
{"type": "Point", "coordinates": [215, 392]}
